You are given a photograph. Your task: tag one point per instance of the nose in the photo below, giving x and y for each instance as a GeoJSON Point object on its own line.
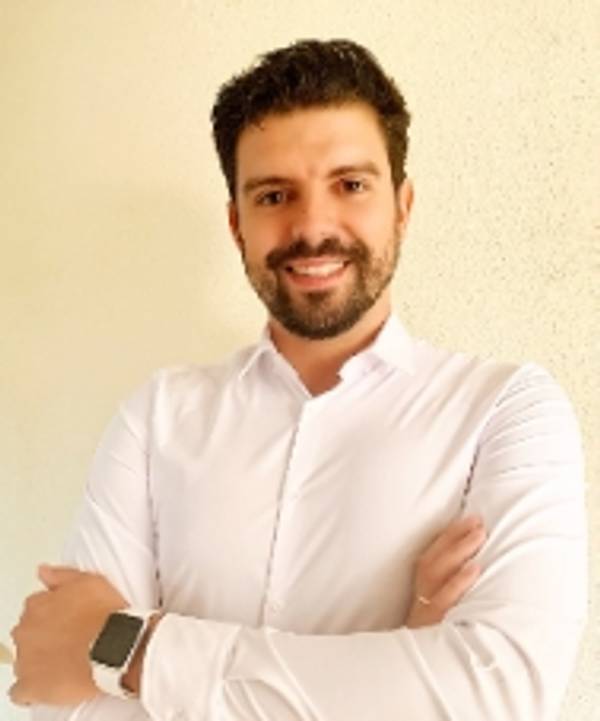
{"type": "Point", "coordinates": [314, 218]}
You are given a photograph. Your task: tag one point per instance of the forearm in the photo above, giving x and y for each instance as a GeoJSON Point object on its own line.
{"type": "Point", "coordinates": [456, 670]}
{"type": "Point", "coordinates": [101, 708]}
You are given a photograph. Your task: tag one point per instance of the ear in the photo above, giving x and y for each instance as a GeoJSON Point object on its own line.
{"type": "Point", "coordinates": [404, 201]}
{"type": "Point", "coordinates": [234, 224]}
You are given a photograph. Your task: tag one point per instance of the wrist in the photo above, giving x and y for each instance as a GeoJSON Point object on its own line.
{"type": "Point", "coordinates": [131, 679]}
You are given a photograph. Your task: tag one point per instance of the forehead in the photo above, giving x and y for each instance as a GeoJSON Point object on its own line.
{"type": "Point", "coordinates": [310, 141]}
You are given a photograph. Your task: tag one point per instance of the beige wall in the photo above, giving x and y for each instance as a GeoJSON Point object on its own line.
{"type": "Point", "coordinates": [115, 256]}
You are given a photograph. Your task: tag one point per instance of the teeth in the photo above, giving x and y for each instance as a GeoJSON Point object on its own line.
{"type": "Point", "coordinates": [318, 270]}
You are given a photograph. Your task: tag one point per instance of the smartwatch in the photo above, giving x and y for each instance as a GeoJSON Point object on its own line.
{"type": "Point", "coordinates": [114, 647]}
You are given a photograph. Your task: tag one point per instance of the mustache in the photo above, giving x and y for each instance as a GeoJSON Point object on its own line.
{"type": "Point", "coordinates": [358, 251]}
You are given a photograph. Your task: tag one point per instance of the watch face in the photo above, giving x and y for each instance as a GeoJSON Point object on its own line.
{"type": "Point", "coordinates": [115, 641]}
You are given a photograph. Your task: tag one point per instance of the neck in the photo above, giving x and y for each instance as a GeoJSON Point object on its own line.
{"type": "Point", "coordinates": [318, 362]}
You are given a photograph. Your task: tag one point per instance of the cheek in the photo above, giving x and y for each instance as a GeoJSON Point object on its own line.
{"type": "Point", "coordinates": [260, 235]}
{"type": "Point", "coordinates": [257, 242]}
{"type": "Point", "coordinates": [374, 225]}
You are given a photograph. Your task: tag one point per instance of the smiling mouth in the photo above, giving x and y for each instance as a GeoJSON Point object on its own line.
{"type": "Point", "coordinates": [316, 274]}
{"type": "Point", "coordinates": [317, 269]}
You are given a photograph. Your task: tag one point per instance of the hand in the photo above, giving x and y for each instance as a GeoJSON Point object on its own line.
{"type": "Point", "coordinates": [54, 634]}
{"type": "Point", "coordinates": [444, 572]}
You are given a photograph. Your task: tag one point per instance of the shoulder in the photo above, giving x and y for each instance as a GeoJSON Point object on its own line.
{"type": "Point", "coordinates": [175, 388]}
{"type": "Point", "coordinates": [532, 404]}
{"type": "Point", "coordinates": [503, 383]}
{"type": "Point", "coordinates": [516, 404]}
{"type": "Point", "coordinates": [500, 398]}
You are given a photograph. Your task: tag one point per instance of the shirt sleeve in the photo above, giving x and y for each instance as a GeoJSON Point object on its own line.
{"type": "Point", "coordinates": [113, 535]}
{"type": "Point", "coordinates": [504, 653]}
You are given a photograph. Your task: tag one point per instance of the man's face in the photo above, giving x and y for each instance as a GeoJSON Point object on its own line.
{"type": "Point", "coordinates": [316, 216]}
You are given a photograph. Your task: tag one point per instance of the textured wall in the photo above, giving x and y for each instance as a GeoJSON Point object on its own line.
{"type": "Point", "coordinates": [115, 255]}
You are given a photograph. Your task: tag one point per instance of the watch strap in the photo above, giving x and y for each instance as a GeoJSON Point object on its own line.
{"type": "Point", "coordinates": [108, 678]}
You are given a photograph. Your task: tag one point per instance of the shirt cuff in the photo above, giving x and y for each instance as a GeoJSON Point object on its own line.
{"type": "Point", "coordinates": [184, 667]}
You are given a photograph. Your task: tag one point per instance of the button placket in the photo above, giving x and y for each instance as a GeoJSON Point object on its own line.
{"type": "Point", "coordinates": [273, 598]}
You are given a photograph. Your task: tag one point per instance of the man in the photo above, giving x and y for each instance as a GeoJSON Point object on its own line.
{"type": "Point", "coordinates": [262, 528]}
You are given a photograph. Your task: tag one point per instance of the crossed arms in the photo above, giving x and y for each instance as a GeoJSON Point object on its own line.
{"type": "Point", "coordinates": [502, 652]}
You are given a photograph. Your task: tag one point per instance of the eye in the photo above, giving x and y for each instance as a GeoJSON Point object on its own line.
{"type": "Point", "coordinates": [273, 197]}
{"type": "Point", "coordinates": [353, 185]}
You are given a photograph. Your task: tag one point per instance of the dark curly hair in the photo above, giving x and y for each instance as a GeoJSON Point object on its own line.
{"type": "Point", "coordinates": [309, 73]}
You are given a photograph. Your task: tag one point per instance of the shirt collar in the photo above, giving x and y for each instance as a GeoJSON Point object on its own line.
{"type": "Point", "coordinates": [393, 347]}
{"type": "Point", "coordinates": [265, 345]}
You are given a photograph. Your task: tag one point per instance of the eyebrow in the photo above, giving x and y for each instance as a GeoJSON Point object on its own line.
{"type": "Point", "coordinates": [368, 168]}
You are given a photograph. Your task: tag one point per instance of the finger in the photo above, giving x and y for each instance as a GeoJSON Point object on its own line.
{"type": "Point", "coordinates": [456, 587]}
{"type": "Point", "coordinates": [33, 602]}
{"type": "Point", "coordinates": [452, 559]}
{"type": "Point", "coordinates": [18, 694]}
{"type": "Point", "coordinates": [456, 530]}
{"type": "Point", "coordinates": [54, 576]}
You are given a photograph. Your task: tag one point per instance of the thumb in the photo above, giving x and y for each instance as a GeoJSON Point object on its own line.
{"type": "Point", "coordinates": [54, 576]}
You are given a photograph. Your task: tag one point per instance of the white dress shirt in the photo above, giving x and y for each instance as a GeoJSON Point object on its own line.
{"type": "Point", "coordinates": [280, 530]}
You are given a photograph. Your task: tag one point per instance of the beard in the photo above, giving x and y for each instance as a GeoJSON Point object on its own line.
{"type": "Point", "coordinates": [326, 313]}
